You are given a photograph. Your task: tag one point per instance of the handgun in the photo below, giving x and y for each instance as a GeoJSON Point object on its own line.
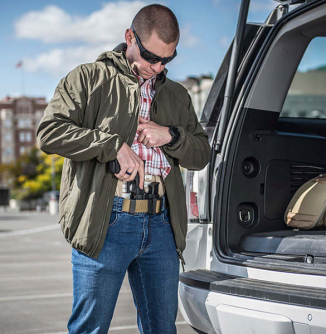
{"type": "Point", "coordinates": [113, 166]}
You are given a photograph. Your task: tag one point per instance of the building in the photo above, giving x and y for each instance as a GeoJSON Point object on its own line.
{"type": "Point", "coordinates": [307, 95]}
{"type": "Point", "coordinates": [198, 88]}
{"type": "Point", "coordinates": [19, 118]}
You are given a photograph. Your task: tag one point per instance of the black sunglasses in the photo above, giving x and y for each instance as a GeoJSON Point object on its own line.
{"type": "Point", "coordinates": [149, 56]}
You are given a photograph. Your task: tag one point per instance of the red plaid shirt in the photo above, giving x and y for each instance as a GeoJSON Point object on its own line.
{"type": "Point", "coordinates": [156, 162]}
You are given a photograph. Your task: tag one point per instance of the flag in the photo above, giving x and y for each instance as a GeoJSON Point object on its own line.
{"type": "Point", "coordinates": [20, 64]}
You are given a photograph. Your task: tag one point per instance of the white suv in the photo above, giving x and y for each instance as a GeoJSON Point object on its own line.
{"type": "Point", "coordinates": [246, 270]}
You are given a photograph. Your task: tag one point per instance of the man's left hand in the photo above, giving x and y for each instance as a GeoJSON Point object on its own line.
{"type": "Point", "coordinates": [152, 134]}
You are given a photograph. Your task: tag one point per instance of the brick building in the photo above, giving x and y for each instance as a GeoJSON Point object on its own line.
{"type": "Point", "coordinates": [19, 118]}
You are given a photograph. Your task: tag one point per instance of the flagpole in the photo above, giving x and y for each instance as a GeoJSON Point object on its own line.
{"type": "Point", "coordinates": [22, 80]}
{"type": "Point", "coordinates": [20, 65]}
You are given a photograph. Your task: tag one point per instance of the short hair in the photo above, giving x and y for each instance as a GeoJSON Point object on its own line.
{"type": "Point", "coordinates": [159, 18]}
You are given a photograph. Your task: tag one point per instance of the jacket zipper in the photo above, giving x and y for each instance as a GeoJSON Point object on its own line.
{"type": "Point", "coordinates": [181, 259]}
{"type": "Point", "coordinates": [135, 117]}
{"type": "Point", "coordinates": [183, 262]}
{"type": "Point", "coordinates": [154, 101]}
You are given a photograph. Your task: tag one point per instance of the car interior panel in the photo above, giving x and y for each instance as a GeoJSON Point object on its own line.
{"type": "Point", "coordinates": [273, 156]}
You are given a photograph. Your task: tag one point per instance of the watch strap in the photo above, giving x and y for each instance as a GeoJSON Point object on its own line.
{"type": "Point", "coordinates": [175, 133]}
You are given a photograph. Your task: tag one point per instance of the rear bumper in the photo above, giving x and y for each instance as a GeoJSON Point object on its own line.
{"type": "Point", "coordinates": [217, 303]}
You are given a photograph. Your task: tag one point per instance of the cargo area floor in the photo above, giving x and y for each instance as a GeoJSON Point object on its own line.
{"type": "Point", "coordinates": [286, 242]}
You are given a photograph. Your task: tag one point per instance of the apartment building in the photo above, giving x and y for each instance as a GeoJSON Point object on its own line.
{"type": "Point", "coordinates": [19, 118]}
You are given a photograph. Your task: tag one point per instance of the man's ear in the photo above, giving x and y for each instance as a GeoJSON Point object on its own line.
{"type": "Point", "coordinates": [129, 36]}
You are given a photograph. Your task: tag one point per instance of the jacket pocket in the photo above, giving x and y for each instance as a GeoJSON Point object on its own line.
{"type": "Point", "coordinates": [71, 193]}
{"type": "Point", "coordinates": [67, 179]}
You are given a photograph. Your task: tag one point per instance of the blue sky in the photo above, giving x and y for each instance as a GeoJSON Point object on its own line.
{"type": "Point", "coordinates": [52, 37]}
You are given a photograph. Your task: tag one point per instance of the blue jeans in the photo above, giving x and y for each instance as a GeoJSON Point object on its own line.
{"type": "Point", "coordinates": [142, 244]}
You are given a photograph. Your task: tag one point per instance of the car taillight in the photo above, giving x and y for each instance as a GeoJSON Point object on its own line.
{"type": "Point", "coordinates": [194, 205]}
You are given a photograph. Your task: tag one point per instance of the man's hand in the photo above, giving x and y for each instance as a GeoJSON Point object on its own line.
{"type": "Point", "coordinates": [152, 134]}
{"type": "Point", "coordinates": [130, 162]}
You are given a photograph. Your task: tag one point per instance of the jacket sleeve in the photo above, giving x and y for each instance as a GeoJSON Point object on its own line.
{"type": "Point", "coordinates": [192, 149]}
{"type": "Point", "coordinates": [60, 130]}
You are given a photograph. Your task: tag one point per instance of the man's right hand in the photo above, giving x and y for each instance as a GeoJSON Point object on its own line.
{"type": "Point", "coordinates": [130, 162]}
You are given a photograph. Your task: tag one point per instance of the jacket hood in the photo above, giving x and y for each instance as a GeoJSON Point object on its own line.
{"type": "Point", "coordinates": [118, 57]}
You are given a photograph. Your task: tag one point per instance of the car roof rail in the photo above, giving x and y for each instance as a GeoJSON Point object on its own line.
{"type": "Point", "coordinates": [291, 2]}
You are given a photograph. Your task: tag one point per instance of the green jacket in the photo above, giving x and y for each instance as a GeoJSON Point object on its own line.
{"type": "Point", "coordinates": [94, 110]}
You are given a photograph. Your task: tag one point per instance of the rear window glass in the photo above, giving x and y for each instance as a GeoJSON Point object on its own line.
{"type": "Point", "coordinates": [307, 95]}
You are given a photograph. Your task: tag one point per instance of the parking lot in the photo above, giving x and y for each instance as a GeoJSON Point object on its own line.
{"type": "Point", "coordinates": [36, 280]}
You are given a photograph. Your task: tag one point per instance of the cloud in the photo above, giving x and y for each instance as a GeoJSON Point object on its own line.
{"type": "Point", "coordinates": [60, 61]}
{"type": "Point", "coordinates": [53, 25]}
{"type": "Point", "coordinates": [224, 41]}
{"type": "Point", "coordinates": [100, 31]}
{"type": "Point", "coordinates": [80, 39]}
{"type": "Point", "coordinates": [262, 5]}
{"type": "Point", "coordinates": [187, 38]}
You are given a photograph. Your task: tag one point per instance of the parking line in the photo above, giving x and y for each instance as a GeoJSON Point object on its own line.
{"type": "Point", "coordinates": [33, 264]}
{"type": "Point", "coordinates": [33, 278]}
{"type": "Point", "coordinates": [46, 296]}
{"type": "Point", "coordinates": [120, 328]}
{"type": "Point", "coordinates": [30, 231]}
{"type": "Point", "coordinates": [54, 295]}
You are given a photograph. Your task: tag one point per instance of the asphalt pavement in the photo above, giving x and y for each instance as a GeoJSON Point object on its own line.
{"type": "Point", "coordinates": [36, 279]}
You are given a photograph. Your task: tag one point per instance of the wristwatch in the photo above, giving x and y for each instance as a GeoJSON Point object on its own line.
{"type": "Point", "coordinates": [174, 132]}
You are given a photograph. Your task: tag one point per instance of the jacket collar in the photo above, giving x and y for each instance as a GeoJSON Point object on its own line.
{"type": "Point", "coordinates": [118, 57]}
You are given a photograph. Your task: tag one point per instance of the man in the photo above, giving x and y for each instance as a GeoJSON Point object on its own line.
{"type": "Point", "coordinates": [124, 107]}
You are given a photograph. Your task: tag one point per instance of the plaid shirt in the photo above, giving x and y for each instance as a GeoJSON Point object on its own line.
{"type": "Point", "coordinates": [156, 162]}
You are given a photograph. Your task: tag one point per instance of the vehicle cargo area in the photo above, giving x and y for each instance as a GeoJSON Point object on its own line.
{"type": "Point", "coordinates": [276, 146]}
{"type": "Point", "coordinates": [274, 158]}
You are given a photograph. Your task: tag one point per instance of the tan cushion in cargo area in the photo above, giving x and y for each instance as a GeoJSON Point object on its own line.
{"type": "Point", "coordinates": [307, 207]}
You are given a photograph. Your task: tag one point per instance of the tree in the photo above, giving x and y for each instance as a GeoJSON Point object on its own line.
{"type": "Point", "coordinates": [30, 176]}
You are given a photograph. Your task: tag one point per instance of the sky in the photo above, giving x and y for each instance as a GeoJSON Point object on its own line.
{"type": "Point", "coordinates": [50, 38]}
